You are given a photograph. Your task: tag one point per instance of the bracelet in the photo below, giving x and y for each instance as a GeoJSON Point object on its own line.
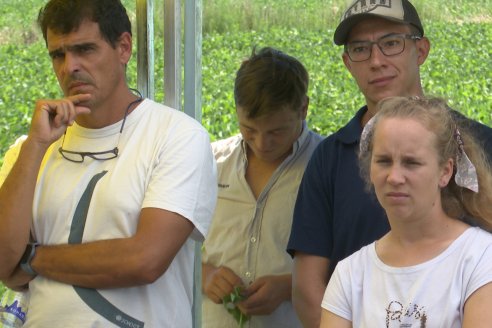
{"type": "Point", "coordinates": [25, 262]}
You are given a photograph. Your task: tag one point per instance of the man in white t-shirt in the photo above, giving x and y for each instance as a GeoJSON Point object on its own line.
{"type": "Point", "coordinates": [101, 201]}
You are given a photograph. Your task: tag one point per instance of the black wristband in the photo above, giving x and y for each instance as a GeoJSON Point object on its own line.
{"type": "Point", "coordinates": [25, 262]}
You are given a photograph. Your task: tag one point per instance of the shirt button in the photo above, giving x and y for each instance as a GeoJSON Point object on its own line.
{"type": "Point", "coordinates": [253, 240]}
{"type": "Point", "coordinates": [248, 274]}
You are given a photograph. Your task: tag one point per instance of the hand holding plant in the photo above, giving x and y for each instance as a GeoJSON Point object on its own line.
{"type": "Point", "coordinates": [230, 303]}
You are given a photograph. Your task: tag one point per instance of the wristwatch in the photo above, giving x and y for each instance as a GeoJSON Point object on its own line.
{"type": "Point", "coordinates": [29, 253]}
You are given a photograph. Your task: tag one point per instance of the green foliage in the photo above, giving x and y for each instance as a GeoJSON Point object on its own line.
{"type": "Point", "coordinates": [331, 89]}
{"type": "Point", "coordinates": [222, 16]}
{"type": "Point", "coordinates": [18, 20]}
{"type": "Point", "coordinates": [26, 76]}
{"type": "Point", "coordinates": [458, 68]}
{"type": "Point", "coordinates": [261, 15]}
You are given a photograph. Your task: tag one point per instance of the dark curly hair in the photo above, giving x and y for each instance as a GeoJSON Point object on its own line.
{"type": "Point", "coordinates": [270, 80]}
{"type": "Point", "coordinates": [65, 16]}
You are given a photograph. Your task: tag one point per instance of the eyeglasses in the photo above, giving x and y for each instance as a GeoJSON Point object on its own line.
{"type": "Point", "coordinates": [389, 45]}
{"type": "Point", "coordinates": [79, 156]}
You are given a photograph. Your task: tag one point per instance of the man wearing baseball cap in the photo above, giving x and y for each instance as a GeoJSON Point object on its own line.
{"type": "Point", "coordinates": [334, 216]}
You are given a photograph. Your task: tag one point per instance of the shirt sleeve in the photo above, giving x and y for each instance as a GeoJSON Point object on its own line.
{"type": "Point", "coordinates": [186, 173]}
{"type": "Point", "coordinates": [311, 232]}
{"type": "Point", "coordinates": [10, 158]}
{"type": "Point", "coordinates": [482, 274]}
{"type": "Point", "coordinates": [337, 293]}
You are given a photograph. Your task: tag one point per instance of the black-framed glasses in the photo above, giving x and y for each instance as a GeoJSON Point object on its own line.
{"type": "Point", "coordinates": [79, 156]}
{"type": "Point", "coordinates": [390, 45]}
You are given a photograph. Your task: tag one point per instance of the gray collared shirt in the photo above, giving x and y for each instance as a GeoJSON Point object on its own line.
{"type": "Point", "coordinates": [250, 235]}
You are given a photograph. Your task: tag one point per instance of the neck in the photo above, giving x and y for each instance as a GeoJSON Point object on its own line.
{"type": "Point", "coordinates": [372, 105]}
{"type": "Point", "coordinates": [109, 111]}
{"type": "Point", "coordinates": [433, 227]}
{"type": "Point", "coordinates": [401, 248]}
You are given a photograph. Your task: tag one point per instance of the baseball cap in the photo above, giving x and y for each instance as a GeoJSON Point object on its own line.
{"type": "Point", "coordinates": [401, 11]}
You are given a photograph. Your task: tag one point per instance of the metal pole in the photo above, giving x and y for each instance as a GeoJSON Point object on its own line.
{"type": "Point", "coordinates": [172, 54]}
{"type": "Point", "coordinates": [192, 107]}
{"type": "Point", "coordinates": [193, 59]}
{"type": "Point", "coordinates": [145, 48]}
{"type": "Point", "coordinates": [192, 92]}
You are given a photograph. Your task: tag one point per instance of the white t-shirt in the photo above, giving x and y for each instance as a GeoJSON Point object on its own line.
{"type": "Point", "coordinates": [165, 161]}
{"type": "Point", "coordinates": [370, 293]}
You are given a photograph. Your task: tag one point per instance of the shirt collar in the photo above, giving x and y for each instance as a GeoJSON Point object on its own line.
{"type": "Point", "coordinates": [302, 138]}
{"type": "Point", "coordinates": [351, 132]}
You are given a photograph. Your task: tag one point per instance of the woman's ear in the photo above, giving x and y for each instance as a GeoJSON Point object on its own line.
{"type": "Point", "coordinates": [446, 173]}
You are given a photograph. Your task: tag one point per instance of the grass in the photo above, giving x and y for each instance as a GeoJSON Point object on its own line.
{"type": "Point", "coordinates": [318, 15]}
{"type": "Point", "coordinates": [457, 67]}
{"type": "Point", "coordinates": [17, 17]}
{"type": "Point", "coordinates": [452, 70]}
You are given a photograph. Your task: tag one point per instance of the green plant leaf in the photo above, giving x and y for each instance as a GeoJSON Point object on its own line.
{"type": "Point", "coordinates": [230, 303]}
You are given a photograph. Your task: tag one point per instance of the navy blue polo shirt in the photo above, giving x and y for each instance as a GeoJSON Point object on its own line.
{"type": "Point", "coordinates": [335, 215]}
{"type": "Point", "coordinates": [482, 133]}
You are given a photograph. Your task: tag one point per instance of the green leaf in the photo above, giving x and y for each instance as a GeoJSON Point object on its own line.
{"type": "Point", "coordinates": [230, 302]}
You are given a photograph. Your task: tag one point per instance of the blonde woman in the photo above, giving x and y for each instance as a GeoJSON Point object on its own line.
{"type": "Point", "coordinates": [434, 267]}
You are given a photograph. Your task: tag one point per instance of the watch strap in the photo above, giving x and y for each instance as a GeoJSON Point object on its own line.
{"type": "Point", "coordinates": [27, 258]}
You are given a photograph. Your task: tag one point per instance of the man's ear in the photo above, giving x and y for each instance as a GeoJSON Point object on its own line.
{"type": "Point", "coordinates": [304, 108]}
{"type": "Point", "coordinates": [124, 46]}
{"type": "Point", "coordinates": [347, 62]}
{"type": "Point", "coordinates": [423, 49]}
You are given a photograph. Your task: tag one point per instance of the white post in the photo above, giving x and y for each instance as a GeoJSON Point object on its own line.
{"type": "Point", "coordinates": [193, 107]}
{"type": "Point", "coordinates": [145, 48]}
{"type": "Point", "coordinates": [173, 77]}
{"type": "Point", "coordinates": [192, 91]}
{"type": "Point", "coordinates": [172, 53]}
{"type": "Point", "coordinates": [193, 59]}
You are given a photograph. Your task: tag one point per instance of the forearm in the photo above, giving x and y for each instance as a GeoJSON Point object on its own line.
{"type": "Point", "coordinates": [111, 263]}
{"type": "Point", "coordinates": [310, 277]}
{"type": "Point", "coordinates": [115, 263]}
{"type": "Point", "coordinates": [16, 198]}
{"type": "Point", "coordinates": [308, 309]}
{"type": "Point", "coordinates": [19, 280]}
